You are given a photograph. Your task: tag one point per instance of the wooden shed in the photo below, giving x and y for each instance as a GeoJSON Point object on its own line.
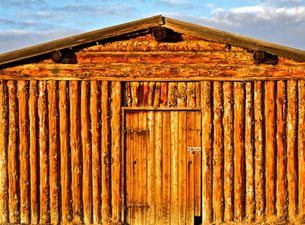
{"type": "Point", "coordinates": [155, 121]}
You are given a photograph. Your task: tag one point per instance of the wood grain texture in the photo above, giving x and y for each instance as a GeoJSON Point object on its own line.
{"type": "Point", "coordinates": [249, 152]}
{"type": "Point", "coordinates": [281, 182]}
{"type": "Point", "coordinates": [4, 197]}
{"type": "Point", "coordinates": [217, 153]}
{"type": "Point", "coordinates": [22, 93]}
{"type": "Point", "coordinates": [166, 173]}
{"type": "Point", "coordinates": [106, 157]}
{"type": "Point", "coordinates": [151, 169]}
{"type": "Point", "coordinates": [206, 103]}
{"type": "Point", "coordinates": [228, 150]}
{"type": "Point", "coordinates": [75, 145]}
{"type": "Point", "coordinates": [96, 152]}
{"type": "Point", "coordinates": [174, 167]}
{"type": "Point", "coordinates": [239, 148]}
{"type": "Point", "coordinates": [65, 161]}
{"type": "Point", "coordinates": [86, 152]}
{"type": "Point", "coordinates": [158, 168]}
{"type": "Point", "coordinates": [292, 147]}
{"type": "Point", "coordinates": [301, 146]}
{"type": "Point", "coordinates": [43, 153]}
{"type": "Point", "coordinates": [259, 151]}
{"type": "Point", "coordinates": [270, 146]}
{"type": "Point", "coordinates": [54, 152]}
{"type": "Point", "coordinates": [116, 151]}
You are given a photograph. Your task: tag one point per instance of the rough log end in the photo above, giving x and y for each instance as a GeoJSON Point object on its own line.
{"type": "Point", "coordinates": [56, 56]}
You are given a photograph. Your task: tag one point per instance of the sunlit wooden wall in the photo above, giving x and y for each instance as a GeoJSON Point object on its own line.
{"type": "Point", "coordinates": [60, 151]}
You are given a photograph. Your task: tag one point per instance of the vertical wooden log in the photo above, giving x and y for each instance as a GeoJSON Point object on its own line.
{"type": "Point", "coordinates": [3, 154]}
{"type": "Point", "coordinates": [259, 150]}
{"type": "Point", "coordinates": [301, 145]}
{"type": "Point", "coordinates": [270, 147]}
{"type": "Point", "coordinates": [249, 153]}
{"type": "Point", "coordinates": [189, 139]}
{"type": "Point", "coordinates": [116, 151]}
{"type": "Point", "coordinates": [166, 168]}
{"type": "Point", "coordinates": [239, 155]}
{"type": "Point", "coordinates": [181, 102]}
{"type": "Point", "coordinates": [34, 162]}
{"type": "Point", "coordinates": [228, 150]}
{"type": "Point", "coordinates": [164, 92]}
{"type": "Point", "coordinates": [158, 95]}
{"type": "Point", "coordinates": [151, 169]}
{"type": "Point", "coordinates": [191, 94]}
{"type": "Point", "coordinates": [13, 174]}
{"type": "Point", "coordinates": [198, 94]}
{"type": "Point", "coordinates": [217, 153]}
{"type": "Point", "coordinates": [64, 152]}
{"type": "Point", "coordinates": [86, 150]}
{"type": "Point", "coordinates": [145, 93]}
{"type": "Point", "coordinates": [206, 105]}
{"type": "Point", "coordinates": [291, 147]}
{"type": "Point", "coordinates": [281, 195]}
{"type": "Point", "coordinates": [158, 167]}
{"type": "Point", "coordinates": [134, 93]}
{"type": "Point", "coordinates": [54, 152]}
{"type": "Point", "coordinates": [174, 168]}
{"type": "Point", "coordinates": [44, 153]}
{"type": "Point", "coordinates": [106, 166]}
{"type": "Point", "coordinates": [96, 155]}
{"type": "Point", "coordinates": [22, 93]}
{"type": "Point", "coordinates": [75, 144]}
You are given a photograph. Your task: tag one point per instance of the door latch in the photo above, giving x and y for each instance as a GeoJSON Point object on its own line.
{"type": "Point", "coordinates": [193, 149]}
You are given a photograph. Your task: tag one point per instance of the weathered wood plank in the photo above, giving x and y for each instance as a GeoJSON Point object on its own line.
{"type": "Point", "coordinates": [164, 93]}
{"type": "Point", "coordinates": [75, 145]}
{"type": "Point", "coordinates": [206, 103]}
{"type": "Point", "coordinates": [116, 151]}
{"type": "Point", "coordinates": [54, 152]}
{"type": "Point", "coordinates": [86, 153]}
{"type": "Point", "coordinates": [259, 151]}
{"type": "Point", "coordinates": [270, 146]}
{"type": "Point", "coordinates": [106, 156]}
{"type": "Point", "coordinates": [151, 169]}
{"type": "Point", "coordinates": [22, 93]}
{"type": "Point", "coordinates": [197, 164]}
{"type": "Point", "coordinates": [128, 201]}
{"type": "Point", "coordinates": [166, 160]}
{"type": "Point", "coordinates": [172, 94]}
{"type": "Point", "coordinates": [188, 137]}
{"type": "Point", "coordinates": [291, 147]}
{"type": "Point", "coordinates": [134, 181]}
{"type": "Point", "coordinates": [217, 153]}
{"type": "Point", "coordinates": [158, 167]}
{"type": "Point", "coordinates": [43, 154]}
{"type": "Point", "coordinates": [158, 95]}
{"type": "Point", "coordinates": [184, 184]}
{"type": "Point", "coordinates": [142, 164]}
{"type": "Point", "coordinates": [151, 93]}
{"type": "Point", "coordinates": [281, 195]}
{"type": "Point", "coordinates": [4, 209]}
{"type": "Point", "coordinates": [239, 148]}
{"type": "Point", "coordinates": [96, 151]}
{"type": "Point", "coordinates": [174, 167]}
{"type": "Point", "coordinates": [249, 153]}
{"type": "Point", "coordinates": [65, 162]}
{"type": "Point", "coordinates": [228, 150]}
{"type": "Point", "coordinates": [301, 146]}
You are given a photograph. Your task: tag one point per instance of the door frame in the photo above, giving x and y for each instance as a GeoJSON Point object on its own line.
{"type": "Point", "coordinates": [123, 145]}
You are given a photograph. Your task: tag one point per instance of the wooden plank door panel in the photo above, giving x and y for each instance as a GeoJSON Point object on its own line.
{"type": "Point", "coordinates": [163, 184]}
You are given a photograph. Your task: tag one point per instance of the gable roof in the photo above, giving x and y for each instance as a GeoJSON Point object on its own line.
{"type": "Point", "coordinates": [148, 23]}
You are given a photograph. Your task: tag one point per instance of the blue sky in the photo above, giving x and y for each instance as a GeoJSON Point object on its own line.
{"type": "Point", "coordinates": [28, 22]}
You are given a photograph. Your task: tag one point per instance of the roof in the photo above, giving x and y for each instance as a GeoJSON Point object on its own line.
{"type": "Point", "coordinates": [148, 23]}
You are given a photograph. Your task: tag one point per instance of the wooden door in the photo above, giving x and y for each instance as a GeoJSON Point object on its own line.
{"type": "Point", "coordinates": [163, 166]}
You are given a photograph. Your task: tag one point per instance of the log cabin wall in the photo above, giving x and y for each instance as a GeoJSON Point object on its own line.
{"type": "Point", "coordinates": [62, 155]}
